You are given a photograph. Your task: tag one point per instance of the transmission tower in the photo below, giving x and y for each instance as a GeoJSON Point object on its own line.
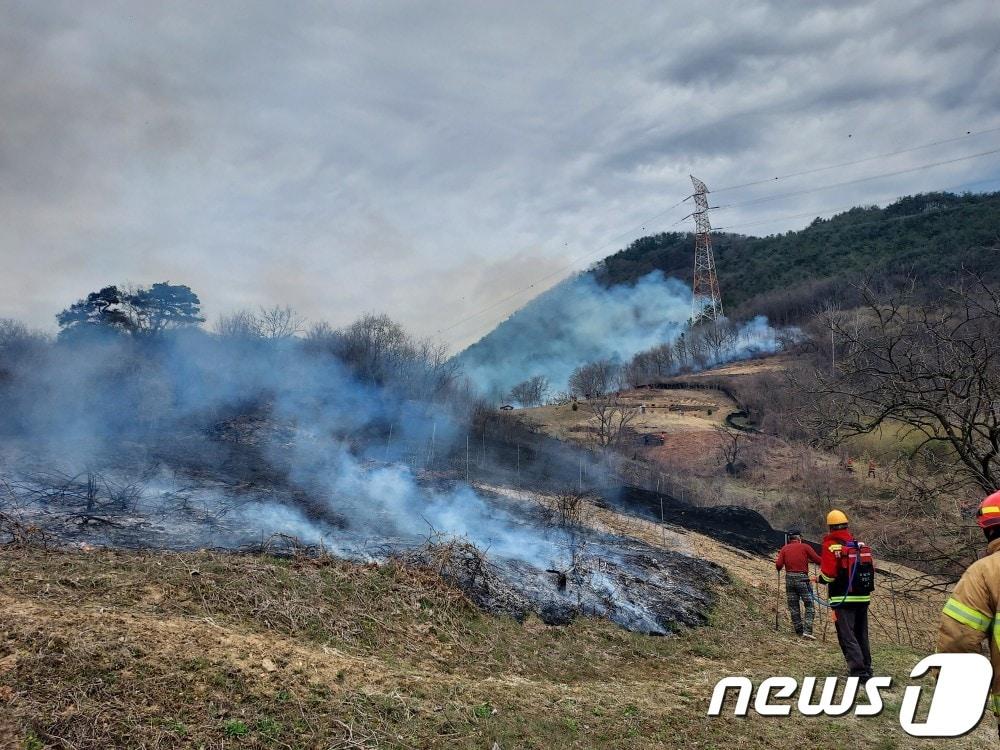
{"type": "Point", "coordinates": [706, 301]}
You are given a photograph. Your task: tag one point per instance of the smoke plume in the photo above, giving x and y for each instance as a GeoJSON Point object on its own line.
{"type": "Point", "coordinates": [344, 439]}
{"type": "Point", "coordinates": [580, 321]}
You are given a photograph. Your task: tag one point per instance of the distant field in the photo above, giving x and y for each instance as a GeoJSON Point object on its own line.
{"type": "Point", "coordinates": [790, 483]}
{"type": "Point", "coordinates": [661, 411]}
{"type": "Point", "coordinates": [776, 363]}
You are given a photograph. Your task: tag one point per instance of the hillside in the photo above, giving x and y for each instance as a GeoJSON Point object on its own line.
{"type": "Point", "coordinates": [639, 297]}
{"type": "Point", "coordinates": [930, 236]}
{"type": "Point", "coordinates": [115, 649]}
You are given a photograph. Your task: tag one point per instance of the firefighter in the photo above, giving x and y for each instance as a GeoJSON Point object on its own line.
{"type": "Point", "coordinates": [848, 571]}
{"type": "Point", "coordinates": [971, 614]}
{"type": "Point", "coordinates": [795, 557]}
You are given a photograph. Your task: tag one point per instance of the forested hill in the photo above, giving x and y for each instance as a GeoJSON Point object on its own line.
{"type": "Point", "coordinates": [639, 297]}
{"type": "Point", "coordinates": [931, 237]}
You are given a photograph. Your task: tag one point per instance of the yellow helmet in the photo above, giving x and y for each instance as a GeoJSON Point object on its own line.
{"type": "Point", "coordinates": [835, 518]}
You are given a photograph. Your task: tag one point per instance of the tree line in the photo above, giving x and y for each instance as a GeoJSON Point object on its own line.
{"type": "Point", "coordinates": [922, 238]}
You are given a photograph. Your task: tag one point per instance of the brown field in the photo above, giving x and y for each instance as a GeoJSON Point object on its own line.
{"type": "Point", "coordinates": [776, 363]}
{"type": "Point", "coordinates": [790, 483]}
{"type": "Point", "coordinates": [664, 412]}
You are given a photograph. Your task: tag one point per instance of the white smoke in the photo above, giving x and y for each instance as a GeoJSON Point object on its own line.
{"type": "Point", "coordinates": [580, 321]}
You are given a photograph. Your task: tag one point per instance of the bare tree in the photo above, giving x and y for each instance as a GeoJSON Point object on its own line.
{"type": "Point", "coordinates": [935, 497]}
{"type": "Point", "coordinates": [279, 322]}
{"type": "Point", "coordinates": [719, 338]}
{"type": "Point", "coordinates": [682, 352]}
{"type": "Point", "coordinates": [380, 352]}
{"type": "Point", "coordinates": [925, 372]}
{"type": "Point", "coordinates": [927, 369]}
{"type": "Point", "coordinates": [594, 379]}
{"type": "Point", "coordinates": [20, 349]}
{"type": "Point", "coordinates": [612, 415]}
{"type": "Point", "coordinates": [12, 334]}
{"type": "Point", "coordinates": [569, 508]}
{"type": "Point", "coordinates": [242, 324]}
{"type": "Point", "coordinates": [651, 365]}
{"type": "Point", "coordinates": [531, 392]}
{"type": "Point", "coordinates": [376, 347]}
{"type": "Point", "coordinates": [732, 448]}
{"type": "Point", "coordinates": [274, 323]}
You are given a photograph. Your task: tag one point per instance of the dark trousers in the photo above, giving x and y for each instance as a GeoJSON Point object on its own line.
{"type": "Point", "coordinates": [852, 633]}
{"type": "Point", "coordinates": [797, 589]}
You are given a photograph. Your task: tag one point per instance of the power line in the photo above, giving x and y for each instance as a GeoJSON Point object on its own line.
{"type": "Point", "coordinates": [806, 191]}
{"type": "Point", "coordinates": [909, 170]}
{"type": "Point", "coordinates": [814, 170]}
{"type": "Point", "coordinates": [612, 244]}
{"type": "Point", "coordinates": [815, 213]}
{"type": "Point", "coordinates": [846, 208]}
{"type": "Point", "coordinates": [904, 217]}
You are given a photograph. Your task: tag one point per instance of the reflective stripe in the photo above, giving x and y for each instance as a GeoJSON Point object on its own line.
{"type": "Point", "coordinates": [825, 577]}
{"type": "Point", "coordinates": [851, 599]}
{"type": "Point", "coordinates": [967, 615]}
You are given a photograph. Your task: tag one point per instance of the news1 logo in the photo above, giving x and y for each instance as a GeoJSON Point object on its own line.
{"type": "Point", "coordinates": [959, 696]}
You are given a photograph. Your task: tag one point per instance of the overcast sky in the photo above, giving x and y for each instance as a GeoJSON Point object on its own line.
{"type": "Point", "coordinates": [429, 159]}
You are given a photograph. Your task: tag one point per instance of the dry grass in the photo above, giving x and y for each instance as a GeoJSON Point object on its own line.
{"type": "Point", "coordinates": [111, 649]}
{"type": "Point", "coordinates": [905, 613]}
{"type": "Point", "coordinates": [666, 411]}
{"type": "Point", "coordinates": [776, 363]}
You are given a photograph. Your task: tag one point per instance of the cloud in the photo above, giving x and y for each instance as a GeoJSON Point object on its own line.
{"type": "Point", "coordinates": [424, 159]}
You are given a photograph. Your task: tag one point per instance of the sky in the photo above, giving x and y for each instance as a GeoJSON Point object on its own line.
{"type": "Point", "coordinates": [444, 162]}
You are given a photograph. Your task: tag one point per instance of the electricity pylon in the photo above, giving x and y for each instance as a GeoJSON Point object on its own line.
{"type": "Point", "coordinates": [706, 302]}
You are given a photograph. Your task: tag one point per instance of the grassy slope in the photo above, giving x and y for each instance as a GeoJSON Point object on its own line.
{"type": "Point", "coordinates": [103, 649]}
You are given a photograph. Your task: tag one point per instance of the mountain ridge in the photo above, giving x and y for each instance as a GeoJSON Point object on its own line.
{"type": "Point", "coordinates": [927, 236]}
{"type": "Point", "coordinates": [640, 296]}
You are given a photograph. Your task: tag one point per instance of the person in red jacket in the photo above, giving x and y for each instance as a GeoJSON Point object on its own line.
{"type": "Point", "coordinates": [848, 599]}
{"type": "Point", "coordinates": [795, 557]}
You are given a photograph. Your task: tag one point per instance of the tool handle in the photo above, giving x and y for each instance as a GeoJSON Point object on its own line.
{"type": "Point", "coordinates": [777, 603]}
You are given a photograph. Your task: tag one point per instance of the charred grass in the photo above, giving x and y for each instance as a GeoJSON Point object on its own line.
{"type": "Point", "coordinates": [114, 649]}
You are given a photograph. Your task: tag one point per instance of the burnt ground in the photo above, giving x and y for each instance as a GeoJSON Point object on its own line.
{"type": "Point", "coordinates": [736, 526]}
{"type": "Point", "coordinates": [556, 571]}
{"type": "Point", "coordinates": [639, 587]}
{"type": "Point", "coordinates": [234, 495]}
{"type": "Point", "coordinates": [109, 649]}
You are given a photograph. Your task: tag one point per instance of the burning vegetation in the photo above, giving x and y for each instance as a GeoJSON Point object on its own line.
{"type": "Point", "coordinates": [136, 428]}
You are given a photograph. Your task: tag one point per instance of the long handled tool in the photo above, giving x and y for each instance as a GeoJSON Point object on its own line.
{"type": "Point", "coordinates": [814, 590]}
{"type": "Point", "coordinates": [777, 603]}
{"type": "Point", "coordinates": [777, 595]}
